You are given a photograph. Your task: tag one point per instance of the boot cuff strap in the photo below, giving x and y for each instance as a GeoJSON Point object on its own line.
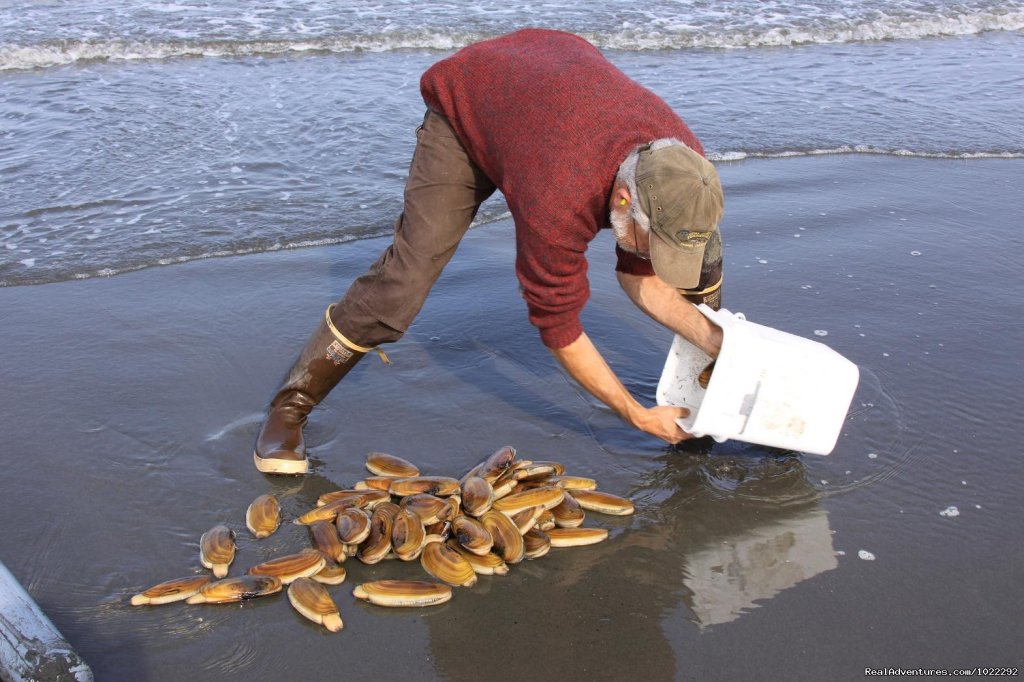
{"type": "Point", "coordinates": [348, 343]}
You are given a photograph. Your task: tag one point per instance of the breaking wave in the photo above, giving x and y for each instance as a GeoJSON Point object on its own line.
{"type": "Point", "coordinates": [660, 35]}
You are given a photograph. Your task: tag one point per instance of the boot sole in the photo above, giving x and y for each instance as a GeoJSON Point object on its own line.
{"type": "Point", "coordinates": [280, 466]}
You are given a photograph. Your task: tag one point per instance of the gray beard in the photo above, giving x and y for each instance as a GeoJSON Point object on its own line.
{"type": "Point", "coordinates": [621, 224]}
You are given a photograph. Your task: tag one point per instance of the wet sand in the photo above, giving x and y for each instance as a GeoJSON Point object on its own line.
{"type": "Point", "coordinates": [130, 405]}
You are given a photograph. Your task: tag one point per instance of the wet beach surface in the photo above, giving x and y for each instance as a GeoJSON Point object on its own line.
{"type": "Point", "coordinates": [131, 404]}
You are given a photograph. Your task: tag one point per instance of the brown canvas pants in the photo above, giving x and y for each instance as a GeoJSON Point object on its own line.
{"type": "Point", "coordinates": [442, 195]}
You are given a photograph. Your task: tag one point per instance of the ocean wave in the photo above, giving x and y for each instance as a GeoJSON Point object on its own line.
{"type": "Point", "coordinates": [659, 35]}
{"type": "Point", "coordinates": [862, 149]}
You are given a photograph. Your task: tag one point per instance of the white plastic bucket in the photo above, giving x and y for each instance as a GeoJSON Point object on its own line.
{"type": "Point", "coordinates": [768, 387]}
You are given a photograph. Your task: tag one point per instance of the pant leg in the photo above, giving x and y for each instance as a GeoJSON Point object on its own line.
{"type": "Point", "coordinates": [442, 195]}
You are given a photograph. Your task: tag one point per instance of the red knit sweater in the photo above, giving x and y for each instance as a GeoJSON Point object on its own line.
{"type": "Point", "coordinates": [549, 120]}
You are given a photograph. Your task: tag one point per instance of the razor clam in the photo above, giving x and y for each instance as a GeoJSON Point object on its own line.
{"type": "Point", "coordinates": [306, 563]}
{"type": "Point", "coordinates": [332, 573]}
{"type": "Point", "coordinates": [534, 470]}
{"type": "Point", "coordinates": [403, 593]}
{"type": "Point", "coordinates": [569, 482]}
{"type": "Point", "coordinates": [568, 513]}
{"type": "Point", "coordinates": [508, 543]}
{"type": "Point", "coordinates": [537, 544]}
{"type": "Point", "coordinates": [575, 537]}
{"type": "Point", "coordinates": [527, 519]}
{"type": "Point", "coordinates": [447, 565]}
{"type": "Point", "coordinates": [472, 535]}
{"type": "Point", "coordinates": [429, 508]}
{"type": "Point", "coordinates": [438, 532]}
{"type": "Point", "coordinates": [441, 486]}
{"type": "Point", "coordinates": [383, 464]}
{"type": "Point", "coordinates": [329, 511]}
{"type": "Point", "coordinates": [486, 564]}
{"type": "Point", "coordinates": [353, 526]}
{"type": "Point", "coordinates": [324, 537]}
{"type": "Point", "coordinates": [546, 497]}
{"type": "Point", "coordinates": [217, 549]}
{"type": "Point", "coordinates": [704, 378]}
{"type": "Point", "coordinates": [377, 546]}
{"type": "Point", "coordinates": [375, 483]}
{"type": "Point", "coordinates": [407, 536]}
{"type": "Point", "coordinates": [310, 598]}
{"type": "Point", "coordinates": [171, 590]}
{"type": "Point", "coordinates": [477, 496]}
{"type": "Point", "coordinates": [236, 589]}
{"type": "Point", "coordinates": [546, 521]}
{"type": "Point", "coordinates": [604, 503]}
{"type": "Point", "coordinates": [557, 466]}
{"type": "Point", "coordinates": [263, 516]}
{"type": "Point", "coordinates": [497, 463]}
{"type": "Point", "coordinates": [505, 487]}
{"type": "Point", "coordinates": [336, 495]}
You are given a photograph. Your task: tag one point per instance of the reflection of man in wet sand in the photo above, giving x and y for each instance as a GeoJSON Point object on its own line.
{"type": "Point", "coordinates": [575, 146]}
{"type": "Point", "coordinates": [728, 530]}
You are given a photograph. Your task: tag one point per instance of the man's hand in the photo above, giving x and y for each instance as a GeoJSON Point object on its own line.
{"type": "Point", "coordinates": [661, 422]}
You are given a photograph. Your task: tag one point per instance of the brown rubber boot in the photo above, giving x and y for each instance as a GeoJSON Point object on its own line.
{"type": "Point", "coordinates": [326, 359]}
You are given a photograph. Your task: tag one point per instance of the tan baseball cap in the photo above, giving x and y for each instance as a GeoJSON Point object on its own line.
{"type": "Point", "coordinates": [679, 190]}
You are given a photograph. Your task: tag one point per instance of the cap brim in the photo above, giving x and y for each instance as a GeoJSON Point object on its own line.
{"type": "Point", "coordinates": [677, 266]}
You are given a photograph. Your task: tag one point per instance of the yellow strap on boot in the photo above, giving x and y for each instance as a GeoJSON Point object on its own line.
{"type": "Point", "coordinates": [351, 344]}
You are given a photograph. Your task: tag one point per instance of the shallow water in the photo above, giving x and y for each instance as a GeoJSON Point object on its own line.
{"type": "Point", "coordinates": [136, 399]}
{"type": "Point", "coordinates": [872, 165]}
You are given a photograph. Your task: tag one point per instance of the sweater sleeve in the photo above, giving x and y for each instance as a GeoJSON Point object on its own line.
{"type": "Point", "coordinates": [553, 280]}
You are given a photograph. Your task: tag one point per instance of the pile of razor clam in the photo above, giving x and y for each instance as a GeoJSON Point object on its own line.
{"type": "Point", "coordinates": [502, 511]}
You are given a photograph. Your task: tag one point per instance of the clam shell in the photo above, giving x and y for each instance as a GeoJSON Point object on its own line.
{"type": "Point", "coordinates": [527, 519]}
{"type": "Point", "coordinates": [508, 543]}
{"type": "Point", "coordinates": [217, 549]}
{"type": "Point", "coordinates": [263, 516]}
{"type": "Point", "coordinates": [375, 483]}
{"type": "Point", "coordinates": [485, 564]}
{"type": "Point", "coordinates": [324, 537]}
{"type": "Point", "coordinates": [429, 508]}
{"type": "Point", "coordinates": [353, 526]}
{"type": "Point", "coordinates": [472, 535]}
{"type": "Point", "coordinates": [537, 544]}
{"type": "Point", "coordinates": [546, 521]}
{"type": "Point", "coordinates": [440, 486]}
{"type": "Point", "coordinates": [574, 482]}
{"type": "Point", "coordinates": [546, 497]}
{"type": "Point", "coordinates": [477, 496]}
{"type": "Point", "coordinates": [408, 536]}
{"type": "Point", "coordinates": [236, 589]}
{"type": "Point", "coordinates": [287, 568]}
{"type": "Point", "coordinates": [378, 544]}
{"type": "Point", "coordinates": [403, 593]}
{"type": "Point", "coordinates": [575, 537]}
{"type": "Point", "coordinates": [383, 464]}
{"type": "Point", "coordinates": [172, 590]}
{"type": "Point", "coordinates": [568, 513]}
{"type": "Point", "coordinates": [534, 470]}
{"type": "Point", "coordinates": [331, 574]}
{"type": "Point", "coordinates": [447, 565]}
{"type": "Point", "coordinates": [558, 467]}
{"type": "Point", "coordinates": [704, 378]}
{"type": "Point", "coordinates": [505, 487]}
{"type": "Point", "coordinates": [336, 495]}
{"type": "Point", "coordinates": [502, 459]}
{"type": "Point", "coordinates": [310, 598]}
{"type": "Point", "coordinates": [604, 503]}
{"type": "Point", "coordinates": [329, 511]}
